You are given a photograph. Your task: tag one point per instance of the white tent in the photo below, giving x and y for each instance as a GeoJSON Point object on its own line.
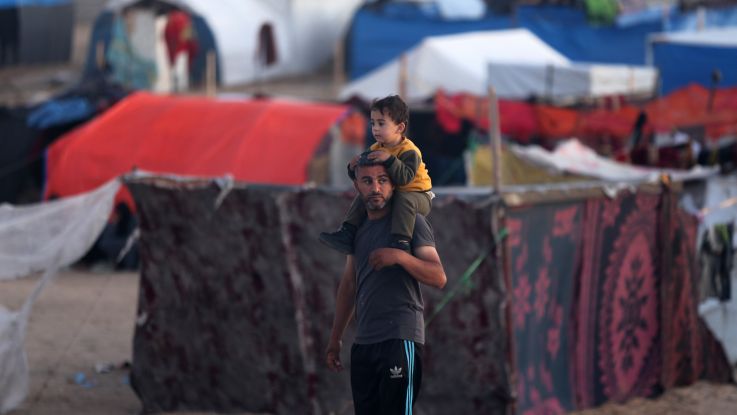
{"type": "Point", "coordinates": [304, 33]}
{"type": "Point", "coordinates": [516, 62]}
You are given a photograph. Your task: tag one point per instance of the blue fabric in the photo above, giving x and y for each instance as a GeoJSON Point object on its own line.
{"type": "Point", "coordinates": [60, 112]}
{"type": "Point", "coordinates": [378, 35]}
{"type": "Point", "coordinates": [680, 65]}
{"type": "Point", "coordinates": [103, 32]}
{"type": "Point", "coordinates": [567, 30]}
{"type": "Point", "coordinates": [21, 3]}
{"type": "Point", "coordinates": [721, 17]}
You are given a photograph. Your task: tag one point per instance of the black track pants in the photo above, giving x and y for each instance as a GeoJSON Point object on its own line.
{"type": "Point", "coordinates": [386, 377]}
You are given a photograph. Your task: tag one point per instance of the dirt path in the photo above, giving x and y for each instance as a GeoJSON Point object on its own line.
{"type": "Point", "coordinates": [85, 318]}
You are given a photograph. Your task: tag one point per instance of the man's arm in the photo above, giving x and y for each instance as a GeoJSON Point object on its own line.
{"type": "Point", "coordinates": [344, 305]}
{"type": "Point", "coordinates": [424, 266]}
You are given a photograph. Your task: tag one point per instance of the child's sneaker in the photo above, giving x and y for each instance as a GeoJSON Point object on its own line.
{"type": "Point", "coordinates": [341, 240]}
{"type": "Point", "coordinates": [400, 242]}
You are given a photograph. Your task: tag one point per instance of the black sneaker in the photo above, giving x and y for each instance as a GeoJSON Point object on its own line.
{"type": "Point", "coordinates": [341, 240]}
{"type": "Point", "coordinates": [400, 243]}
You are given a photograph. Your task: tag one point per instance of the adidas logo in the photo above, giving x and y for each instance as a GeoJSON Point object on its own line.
{"type": "Point", "coordinates": [396, 372]}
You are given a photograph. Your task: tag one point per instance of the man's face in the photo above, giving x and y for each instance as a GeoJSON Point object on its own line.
{"type": "Point", "coordinates": [374, 186]}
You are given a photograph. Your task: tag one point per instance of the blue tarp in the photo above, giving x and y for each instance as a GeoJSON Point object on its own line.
{"type": "Point", "coordinates": [567, 30]}
{"type": "Point", "coordinates": [718, 17]}
{"type": "Point", "coordinates": [682, 64]}
{"type": "Point", "coordinates": [380, 34]}
{"type": "Point", "coordinates": [22, 3]}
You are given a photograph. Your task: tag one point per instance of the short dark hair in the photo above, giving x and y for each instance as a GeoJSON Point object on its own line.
{"type": "Point", "coordinates": [364, 161]}
{"type": "Point", "coordinates": [394, 107]}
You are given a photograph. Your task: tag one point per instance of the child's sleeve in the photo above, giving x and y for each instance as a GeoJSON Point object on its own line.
{"type": "Point", "coordinates": [402, 169]}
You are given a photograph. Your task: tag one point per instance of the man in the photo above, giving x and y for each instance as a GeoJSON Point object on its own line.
{"type": "Point", "coordinates": [382, 286]}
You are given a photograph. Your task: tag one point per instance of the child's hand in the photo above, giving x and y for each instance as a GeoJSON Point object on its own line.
{"type": "Point", "coordinates": [379, 156]}
{"type": "Point", "coordinates": [354, 161]}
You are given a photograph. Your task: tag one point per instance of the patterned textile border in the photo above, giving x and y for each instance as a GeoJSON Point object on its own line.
{"type": "Point", "coordinates": [604, 297]}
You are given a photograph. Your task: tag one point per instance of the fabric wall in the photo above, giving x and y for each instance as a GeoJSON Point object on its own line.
{"type": "Point", "coordinates": [608, 288]}
{"type": "Point", "coordinates": [237, 298]}
{"type": "Point", "coordinates": [236, 305]}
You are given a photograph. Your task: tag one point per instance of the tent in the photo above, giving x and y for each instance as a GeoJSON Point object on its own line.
{"type": "Point", "coordinates": [381, 31]}
{"type": "Point", "coordinates": [691, 57]}
{"type": "Point", "coordinates": [253, 39]}
{"type": "Point", "coordinates": [515, 62]}
{"type": "Point", "coordinates": [257, 141]}
{"type": "Point", "coordinates": [35, 31]}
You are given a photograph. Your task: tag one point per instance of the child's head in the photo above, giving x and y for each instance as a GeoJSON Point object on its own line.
{"type": "Point", "coordinates": [389, 120]}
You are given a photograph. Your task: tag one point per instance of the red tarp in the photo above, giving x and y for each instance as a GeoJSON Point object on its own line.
{"type": "Point", "coordinates": [258, 141]}
{"type": "Point", "coordinates": [611, 127]}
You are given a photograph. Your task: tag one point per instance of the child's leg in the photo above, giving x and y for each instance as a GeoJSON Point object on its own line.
{"type": "Point", "coordinates": [356, 213]}
{"type": "Point", "coordinates": [342, 239]}
{"type": "Point", "coordinates": [405, 205]}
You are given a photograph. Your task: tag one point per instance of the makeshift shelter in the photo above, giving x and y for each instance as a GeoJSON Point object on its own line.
{"type": "Point", "coordinates": [703, 57]}
{"type": "Point", "coordinates": [594, 299]}
{"type": "Point", "coordinates": [256, 141]}
{"type": "Point", "coordinates": [515, 62]}
{"type": "Point", "coordinates": [35, 31]}
{"type": "Point", "coordinates": [252, 40]}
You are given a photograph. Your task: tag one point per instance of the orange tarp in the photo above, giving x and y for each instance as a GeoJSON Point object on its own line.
{"type": "Point", "coordinates": [258, 141]}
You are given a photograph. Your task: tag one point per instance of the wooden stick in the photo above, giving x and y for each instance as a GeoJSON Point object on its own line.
{"type": "Point", "coordinates": [495, 140]}
{"type": "Point", "coordinates": [210, 74]}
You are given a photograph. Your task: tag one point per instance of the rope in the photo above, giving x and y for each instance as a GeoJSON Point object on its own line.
{"type": "Point", "coordinates": [465, 280]}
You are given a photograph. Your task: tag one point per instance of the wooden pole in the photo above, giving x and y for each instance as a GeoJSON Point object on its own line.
{"type": "Point", "coordinates": [495, 141]}
{"type": "Point", "coordinates": [210, 74]}
{"type": "Point", "coordinates": [338, 72]}
{"type": "Point", "coordinates": [403, 76]}
{"type": "Point", "coordinates": [100, 54]}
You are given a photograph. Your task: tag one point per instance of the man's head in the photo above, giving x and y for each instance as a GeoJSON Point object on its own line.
{"type": "Point", "coordinates": [389, 120]}
{"type": "Point", "coordinates": [372, 182]}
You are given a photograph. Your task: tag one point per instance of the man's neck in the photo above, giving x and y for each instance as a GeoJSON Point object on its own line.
{"type": "Point", "coordinates": [377, 214]}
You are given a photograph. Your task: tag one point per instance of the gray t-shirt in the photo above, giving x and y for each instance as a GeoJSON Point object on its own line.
{"type": "Point", "coordinates": [389, 301]}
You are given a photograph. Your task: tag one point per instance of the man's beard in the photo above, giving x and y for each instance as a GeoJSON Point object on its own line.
{"type": "Point", "coordinates": [372, 203]}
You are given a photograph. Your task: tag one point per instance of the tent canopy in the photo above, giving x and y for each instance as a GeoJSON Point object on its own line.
{"type": "Point", "coordinates": [515, 62]}
{"type": "Point", "coordinates": [258, 141]}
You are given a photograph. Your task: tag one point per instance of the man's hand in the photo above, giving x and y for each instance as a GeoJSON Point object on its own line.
{"type": "Point", "coordinates": [332, 356]}
{"type": "Point", "coordinates": [384, 257]}
{"type": "Point", "coordinates": [378, 156]}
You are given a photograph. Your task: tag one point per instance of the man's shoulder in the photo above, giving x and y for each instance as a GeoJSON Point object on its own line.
{"type": "Point", "coordinates": [423, 233]}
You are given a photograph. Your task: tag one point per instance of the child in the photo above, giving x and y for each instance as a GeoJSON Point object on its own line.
{"type": "Point", "coordinates": [403, 162]}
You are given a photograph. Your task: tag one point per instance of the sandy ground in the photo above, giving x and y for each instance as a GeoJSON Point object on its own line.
{"type": "Point", "coordinates": [84, 319]}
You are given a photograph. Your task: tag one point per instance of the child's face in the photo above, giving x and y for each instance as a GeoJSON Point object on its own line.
{"type": "Point", "coordinates": [385, 130]}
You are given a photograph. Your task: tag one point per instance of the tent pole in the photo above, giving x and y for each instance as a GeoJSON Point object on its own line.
{"type": "Point", "coordinates": [403, 76]}
{"type": "Point", "coordinates": [210, 71]}
{"type": "Point", "coordinates": [495, 141]}
{"type": "Point", "coordinates": [338, 73]}
{"type": "Point", "coordinates": [100, 54]}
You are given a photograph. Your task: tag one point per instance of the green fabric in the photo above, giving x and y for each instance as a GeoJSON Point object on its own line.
{"type": "Point", "coordinates": [602, 11]}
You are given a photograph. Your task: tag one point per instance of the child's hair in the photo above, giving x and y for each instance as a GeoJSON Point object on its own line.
{"type": "Point", "coordinates": [394, 107]}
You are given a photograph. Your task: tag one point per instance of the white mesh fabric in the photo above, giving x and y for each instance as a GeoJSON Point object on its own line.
{"type": "Point", "coordinates": [45, 237]}
{"type": "Point", "coordinates": [31, 237]}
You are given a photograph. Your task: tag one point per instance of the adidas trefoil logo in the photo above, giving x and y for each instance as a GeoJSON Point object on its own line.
{"type": "Point", "coordinates": [396, 372]}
